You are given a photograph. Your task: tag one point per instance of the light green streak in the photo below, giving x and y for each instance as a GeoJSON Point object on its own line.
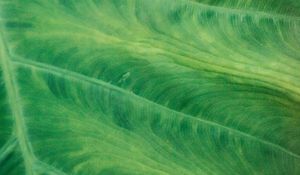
{"type": "Point", "coordinates": [16, 108]}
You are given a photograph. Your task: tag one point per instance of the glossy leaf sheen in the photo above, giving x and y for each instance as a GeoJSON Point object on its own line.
{"type": "Point", "coordinates": [150, 87]}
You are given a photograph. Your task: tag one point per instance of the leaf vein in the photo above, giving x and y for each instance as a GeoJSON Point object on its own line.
{"type": "Point", "coordinates": [80, 77]}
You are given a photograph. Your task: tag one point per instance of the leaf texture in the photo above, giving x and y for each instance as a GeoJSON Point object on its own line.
{"type": "Point", "coordinates": [150, 87]}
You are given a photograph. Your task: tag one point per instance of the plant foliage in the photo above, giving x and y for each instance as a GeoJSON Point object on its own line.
{"type": "Point", "coordinates": [150, 87]}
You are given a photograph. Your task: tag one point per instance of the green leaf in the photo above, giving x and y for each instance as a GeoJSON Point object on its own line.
{"type": "Point", "coordinates": [149, 87]}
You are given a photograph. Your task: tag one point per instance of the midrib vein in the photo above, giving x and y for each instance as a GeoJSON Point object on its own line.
{"type": "Point", "coordinates": [64, 73]}
{"type": "Point", "coordinates": [16, 108]}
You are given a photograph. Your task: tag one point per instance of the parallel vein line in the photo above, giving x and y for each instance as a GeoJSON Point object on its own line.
{"type": "Point", "coordinates": [8, 148]}
{"type": "Point", "coordinates": [80, 77]}
{"type": "Point", "coordinates": [244, 11]}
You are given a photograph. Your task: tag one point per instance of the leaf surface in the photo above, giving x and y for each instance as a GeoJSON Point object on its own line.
{"type": "Point", "coordinates": [149, 87]}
